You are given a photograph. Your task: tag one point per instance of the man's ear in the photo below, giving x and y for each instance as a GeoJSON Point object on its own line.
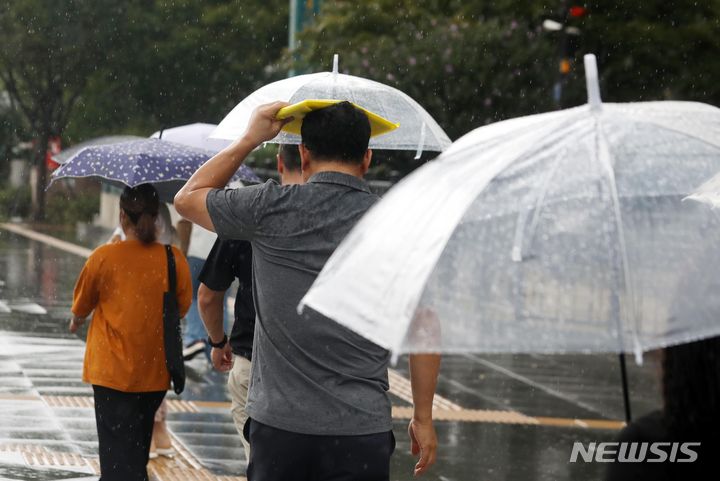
{"type": "Point", "coordinates": [366, 161]}
{"type": "Point", "coordinates": [304, 157]}
{"type": "Point", "coordinates": [280, 164]}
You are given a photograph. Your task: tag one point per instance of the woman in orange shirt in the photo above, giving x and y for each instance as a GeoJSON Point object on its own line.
{"type": "Point", "coordinates": [122, 284]}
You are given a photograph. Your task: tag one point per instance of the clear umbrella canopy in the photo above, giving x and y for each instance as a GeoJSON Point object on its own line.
{"type": "Point", "coordinates": [65, 154]}
{"type": "Point", "coordinates": [417, 131]}
{"type": "Point", "coordinates": [708, 193]}
{"type": "Point", "coordinates": [193, 135]}
{"type": "Point", "coordinates": [554, 233]}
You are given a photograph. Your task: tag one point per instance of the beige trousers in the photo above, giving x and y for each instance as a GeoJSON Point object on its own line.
{"type": "Point", "coordinates": [238, 383]}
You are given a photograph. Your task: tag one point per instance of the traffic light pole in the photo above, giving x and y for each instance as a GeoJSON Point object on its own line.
{"type": "Point", "coordinates": [562, 67]}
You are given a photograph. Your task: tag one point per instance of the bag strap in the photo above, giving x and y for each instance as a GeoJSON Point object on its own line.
{"type": "Point", "coordinates": [172, 281]}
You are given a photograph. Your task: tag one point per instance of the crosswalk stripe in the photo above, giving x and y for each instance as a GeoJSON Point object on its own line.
{"type": "Point", "coordinates": [27, 307]}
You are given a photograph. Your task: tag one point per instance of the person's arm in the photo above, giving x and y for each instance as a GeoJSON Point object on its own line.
{"type": "Point", "coordinates": [76, 322]}
{"type": "Point", "coordinates": [184, 230]}
{"type": "Point", "coordinates": [190, 201]}
{"type": "Point", "coordinates": [184, 282]}
{"type": "Point", "coordinates": [211, 305]}
{"type": "Point", "coordinates": [424, 369]}
{"type": "Point", "coordinates": [85, 295]}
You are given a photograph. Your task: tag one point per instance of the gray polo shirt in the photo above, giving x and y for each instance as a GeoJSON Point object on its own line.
{"type": "Point", "coordinates": [309, 374]}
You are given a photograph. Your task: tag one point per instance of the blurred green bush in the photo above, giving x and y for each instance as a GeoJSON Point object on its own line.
{"type": "Point", "coordinates": [14, 202]}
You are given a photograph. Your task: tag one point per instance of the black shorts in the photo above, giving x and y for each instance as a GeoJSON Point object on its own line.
{"type": "Point", "coordinates": [277, 455]}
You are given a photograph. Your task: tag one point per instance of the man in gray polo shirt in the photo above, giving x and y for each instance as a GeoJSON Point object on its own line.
{"type": "Point", "coordinates": [318, 401]}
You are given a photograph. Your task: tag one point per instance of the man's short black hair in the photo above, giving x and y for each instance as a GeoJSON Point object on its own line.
{"type": "Point", "coordinates": [339, 132]}
{"type": "Point", "coordinates": [291, 157]}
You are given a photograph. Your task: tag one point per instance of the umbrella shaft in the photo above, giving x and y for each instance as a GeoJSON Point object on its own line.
{"type": "Point", "coordinates": [626, 391]}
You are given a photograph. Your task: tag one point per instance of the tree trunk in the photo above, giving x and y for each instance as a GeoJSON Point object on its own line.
{"type": "Point", "coordinates": [38, 207]}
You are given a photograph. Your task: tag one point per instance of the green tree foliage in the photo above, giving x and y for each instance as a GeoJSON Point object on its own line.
{"type": "Point", "coordinates": [9, 127]}
{"type": "Point", "coordinates": [81, 68]}
{"type": "Point", "coordinates": [653, 50]}
{"type": "Point", "coordinates": [49, 51]}
{"type": "Point", "coordinates": [85, 68]}
{"type": "Point", "coordinates": [183, 61]}
{"type": "Point", "coordinates": [473, 62]}
{"type": "Point", "coordinates": [467, 63]}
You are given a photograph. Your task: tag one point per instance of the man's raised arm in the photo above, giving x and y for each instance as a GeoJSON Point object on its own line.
{"type": "Point", "coordinates": [217, 172]}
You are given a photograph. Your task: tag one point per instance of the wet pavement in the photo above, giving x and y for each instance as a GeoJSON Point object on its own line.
{"type": "Point", "coordinates": [500, 417]}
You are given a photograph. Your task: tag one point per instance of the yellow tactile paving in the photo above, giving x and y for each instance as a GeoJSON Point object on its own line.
{"type": "Point", "coordinates": [469, 415]}
{"type": "Point", "coordinates": [94, 463]}
{"type": "Point", "coordinates": [582, 423]}
{"type": "Point", "coordinates": [443, 409]}
{"type": "Point", "coordinates": [182, 467]}
{"type": "Point", "coordinates": [400, 386]}
{"type": "Point", "coordinates": [184, 453]}
{"type": "Point", "coordinates": [68, 401]}
{"type": "Point", "coordinates": [174, 405]}
{"type": "Point", "coordinates": [18, 397]}
{"type": "Point", "coordinates": [180, 406]}
{"type": "Point", "coordinates": [52, 458]}
{"type": "Point", "coordinates": [22, 448]}
{"type": "Point", "coordinates": [212, 404]}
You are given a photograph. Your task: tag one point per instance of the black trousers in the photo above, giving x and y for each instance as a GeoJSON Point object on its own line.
{"type": "Point", "coordinates": [277, 455]}
{"type": "Point", "coordinates": [124, 424]}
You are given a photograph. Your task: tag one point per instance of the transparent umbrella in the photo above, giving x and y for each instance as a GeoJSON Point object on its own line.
{"type": "Point", "coordinates": [193, 135]}
{"type": "Point", "coordinates": [709, 192]}
{"type": "Point", "coordinates": [65, 154]}
{"type": "Point", "coordinates": [555, 233]}
{"type": "Point", "coordinates": [418, 130]}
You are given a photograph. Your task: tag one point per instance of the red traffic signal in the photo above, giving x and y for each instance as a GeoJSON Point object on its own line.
{"type": "Point", "coordinates": [577, 11]}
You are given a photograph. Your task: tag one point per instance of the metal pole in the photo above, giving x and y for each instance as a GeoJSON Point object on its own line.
{"type": "Point", "coordinates": [295, 23]}
{"type": "Point", "coordinates": [294, 26]}
{"type": "Point", "coordinates": [301, 13]}
{"type": "Point", "coordinates": [562, 47]}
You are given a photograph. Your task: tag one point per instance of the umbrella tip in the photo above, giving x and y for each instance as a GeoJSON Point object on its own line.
{"type": "Point", "coordinates": [336, 61]}
{"type": "Point", "coordinates": [592, 81]}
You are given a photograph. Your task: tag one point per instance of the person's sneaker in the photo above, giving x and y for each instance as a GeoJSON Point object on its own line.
{"type": "Point", "coordinates": [193, 349]}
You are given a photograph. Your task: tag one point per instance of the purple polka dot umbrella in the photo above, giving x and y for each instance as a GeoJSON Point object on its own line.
{"type": "Point", "coordinates": [165, 165]}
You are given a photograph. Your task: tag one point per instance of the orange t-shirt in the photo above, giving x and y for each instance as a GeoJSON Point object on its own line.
{"type": "Point", "coordinates": [123, 284]}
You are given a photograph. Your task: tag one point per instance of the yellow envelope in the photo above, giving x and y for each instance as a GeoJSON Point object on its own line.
{"type": "Point", "coordinates": [378, 125]}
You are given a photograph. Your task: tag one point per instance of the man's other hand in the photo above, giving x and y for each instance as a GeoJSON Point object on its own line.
{"type": "Point", "coordinates": [222, 358]}
{"type": "Point", "coordinates": [423, 442]}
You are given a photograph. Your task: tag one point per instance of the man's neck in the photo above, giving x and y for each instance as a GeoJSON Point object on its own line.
{"type": "Point", "coordinates": [355, 170]}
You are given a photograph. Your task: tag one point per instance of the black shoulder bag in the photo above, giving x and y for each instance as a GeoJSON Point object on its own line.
{"type": "Point", "coordinates": [172, 337]}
